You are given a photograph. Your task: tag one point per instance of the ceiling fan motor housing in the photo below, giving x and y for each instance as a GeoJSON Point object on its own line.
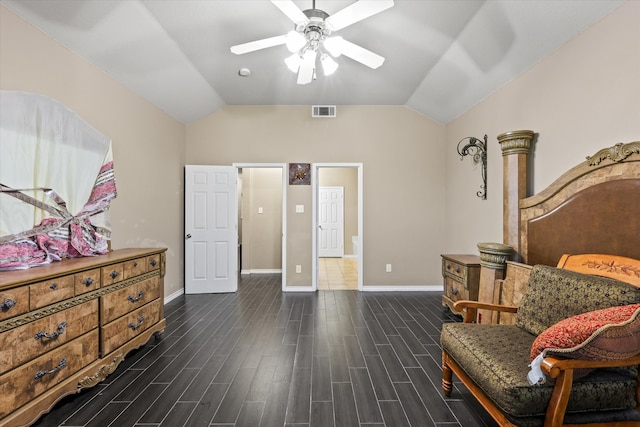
{"type": "Point", "coordinates": [316, 28]}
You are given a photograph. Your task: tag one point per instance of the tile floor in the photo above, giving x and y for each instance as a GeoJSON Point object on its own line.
{"type": "Point", "coordinates": [338, 274]}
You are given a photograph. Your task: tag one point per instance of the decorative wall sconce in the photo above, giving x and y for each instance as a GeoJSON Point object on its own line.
{"type": "Point", "coordinates": [478, 150]}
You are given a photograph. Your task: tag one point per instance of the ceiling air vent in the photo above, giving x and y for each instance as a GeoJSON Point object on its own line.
{"type": "Point", "coordinates": [323, 111]}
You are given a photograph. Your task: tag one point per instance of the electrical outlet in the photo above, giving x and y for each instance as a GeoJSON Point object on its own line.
{"type": "Point", "coordinates": [298, 268]}
{"type": "Point", "coordinates": [388, 268]}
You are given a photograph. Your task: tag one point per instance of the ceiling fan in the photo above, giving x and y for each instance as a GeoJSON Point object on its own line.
{"type": "Point", "coordinates": [313, 37]}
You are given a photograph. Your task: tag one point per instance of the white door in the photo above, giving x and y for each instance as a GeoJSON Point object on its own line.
{"type": "Point", "coordinates": [211, 232]}
{"type": "Point", "coordinates": [331, 222]}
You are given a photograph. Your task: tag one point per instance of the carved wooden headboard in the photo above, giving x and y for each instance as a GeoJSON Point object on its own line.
{"type": "Point", "coordinates": [592, 208]}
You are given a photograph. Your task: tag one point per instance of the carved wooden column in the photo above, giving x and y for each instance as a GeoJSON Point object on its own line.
{"type": "Point", "coordinates": [493, 263]}
{"type": "Point", "coordinates": [515, 147]}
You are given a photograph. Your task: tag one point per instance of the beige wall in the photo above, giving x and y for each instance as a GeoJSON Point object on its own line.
{"type": "Point", "coordinates": [147, 144]}
{"type": "Point", "coordinates": [584, 97]}
{"type": "Point", "coordinates": [401, 152]}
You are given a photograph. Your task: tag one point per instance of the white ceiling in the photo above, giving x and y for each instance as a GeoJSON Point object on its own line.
{"type": "Point", "coordinates": [442, 56]}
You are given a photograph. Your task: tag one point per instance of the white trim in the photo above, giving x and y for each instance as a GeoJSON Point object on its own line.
{"type": "Point", "coordinates": [173, 296]}
{"type": "Point", "coordinates": [262, 271]}
{"type": "Point", "coordinates": [314, 219]}
{"type": "Point", "coordinates": [285, 178]}
{"type": "Point", "coordinates": [300, 289]}
{"type": "Point", "coordinates": [429, 288]}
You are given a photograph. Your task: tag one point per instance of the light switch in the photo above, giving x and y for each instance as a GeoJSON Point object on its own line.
{"type": "Point", "coordinates": [299, 208]}
{"type": "Point", "coordinates": [260, 210]}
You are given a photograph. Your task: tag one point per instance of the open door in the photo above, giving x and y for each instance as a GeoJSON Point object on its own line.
{"type": "Point", "coordinates": [211, 233]}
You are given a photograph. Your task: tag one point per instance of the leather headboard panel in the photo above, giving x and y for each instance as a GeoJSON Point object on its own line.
{"type": "Point", "coordinates": [604, 218]}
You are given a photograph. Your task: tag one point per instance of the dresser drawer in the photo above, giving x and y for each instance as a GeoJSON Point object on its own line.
{"type": "Point", "coordinates": [452, 268]}
{"type": "Point", "coordinates": [51, 291]}
{"type": "Point", "coordinates": [455, 290]}
{"type": "Point", "coordinates": [87, 281]}
{"type": "Point", "coordinates": [153, 262]}
{"type": "Point", "coordinates": [120, 302]}
{"type": "Point", "coordinates": [20, 385]}
{"type": "Point", "coordinates": [14, 302]}
{"type": "Point", "coordinates": [112, 274]}
{"type": "Point", "coordinates": [26, 342]}
{"type": "Point", "coordinates": [135, 267]}
{"type": "Point", "coordinates": [129, 326]}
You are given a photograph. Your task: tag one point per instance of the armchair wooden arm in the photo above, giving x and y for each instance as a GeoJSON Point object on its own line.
{"type": "Point", "coordinates": [562, 371]}
{"type": "Point", "coordinates": [472, 306]}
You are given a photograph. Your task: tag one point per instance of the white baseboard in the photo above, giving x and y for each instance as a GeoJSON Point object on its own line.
{"type": "Point", "coordinates": [432, 288]}
{"type": "Point", "coordinates": [262, 271]}
{"type": "Point", "coordinates": [173, 296]}
{"type": "Point", "coordinates": [299, 289]}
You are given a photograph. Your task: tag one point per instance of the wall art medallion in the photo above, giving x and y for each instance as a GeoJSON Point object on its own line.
{"type": "Point", "coordinates": [299, 173]}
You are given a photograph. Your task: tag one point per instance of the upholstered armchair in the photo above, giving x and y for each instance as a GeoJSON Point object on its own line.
{"type": "Point", "coordinates": [570, 357]}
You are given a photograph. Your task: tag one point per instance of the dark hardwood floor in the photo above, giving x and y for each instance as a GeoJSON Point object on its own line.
{"type": "Point", "coordinates": [263, 358]}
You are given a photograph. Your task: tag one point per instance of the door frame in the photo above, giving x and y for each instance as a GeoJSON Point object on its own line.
{"type": "Point", "coordinates": [315, 189]}
{"type": "Point", "coordinates": [285, 175]}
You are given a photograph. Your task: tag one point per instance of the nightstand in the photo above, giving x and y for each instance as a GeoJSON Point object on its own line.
{"type": "Point", "coordinates": [461, 275]}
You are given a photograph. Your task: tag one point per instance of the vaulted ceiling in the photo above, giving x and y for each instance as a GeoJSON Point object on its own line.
{"type": "Point", "coordinates": [441, 56]}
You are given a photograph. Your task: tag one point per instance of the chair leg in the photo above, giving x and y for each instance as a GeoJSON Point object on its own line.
{"type": "Point", "coordinates": [447, 376]}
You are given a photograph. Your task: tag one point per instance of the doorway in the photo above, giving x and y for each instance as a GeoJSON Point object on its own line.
{"type": "Point", "coordinates": [214, 229]}
{"type": "Point", "coordinates": [337, 253]}
{"type": "Point", "coordinates": [262, 219]}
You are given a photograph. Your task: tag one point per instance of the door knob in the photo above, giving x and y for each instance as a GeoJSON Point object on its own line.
{"type": "Point", "coordinates": [188, 236]}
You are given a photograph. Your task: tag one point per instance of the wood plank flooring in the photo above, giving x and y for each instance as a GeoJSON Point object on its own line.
{"type": "Point", "coordinates": [263, 358]}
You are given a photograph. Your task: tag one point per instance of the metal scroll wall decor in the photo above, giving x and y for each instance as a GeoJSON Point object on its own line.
{"type": "Point", "coordinates": [477, 149]}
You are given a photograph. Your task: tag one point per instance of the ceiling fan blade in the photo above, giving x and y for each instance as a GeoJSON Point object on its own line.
{"type": "Point", "coordinates": [307, 67]}
{"type": "Point", "coordinates": [239, 49]}
{"type": "Point", "coordinates": [358, 53]}
{"type": "Point", "coordinates": [357, 12]}
{"type": "Point", "coordinates": [289, 8]}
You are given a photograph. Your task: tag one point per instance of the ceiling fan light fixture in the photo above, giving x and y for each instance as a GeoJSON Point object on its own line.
{"type": "Point", "coordinates": [293, 62]}
{"type": "Point", "coordinates": [295, 41]}
{"type": "Point", "coordinates": [329, 66]}
{"type": "Point", "coordinates": [311, 37]}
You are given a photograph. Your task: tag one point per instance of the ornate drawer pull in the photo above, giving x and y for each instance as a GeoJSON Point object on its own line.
{"type": "Point", "coordinates": [88, 281]}
{"type": "Point", "coordinates": [153, 262]}
{"type": "Point", "coordinates": [134, 326]}
{"type": "Point", "coordinates": [114, 274]}
{"type": "Point", "coordinates": [53, 286]}
{"type": "Point", "coordinates": [136, 299]}
{"type": "Point", "coordinates": [454, 291]}
{"type": "Point", "coordinates": [41, 334]}
{"type": "Point", "coordinates": [61, 364]}
{"type": "Point", "coordinates": [7, 304]}
{"type": "Point", "coordinates": [135, 263]}
{"type": "Point", "coordinates": [458, 270]}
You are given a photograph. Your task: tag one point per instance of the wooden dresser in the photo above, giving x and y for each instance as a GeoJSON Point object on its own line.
{"type": "Point", "coordinates": [461, 275]}
{"type": "Point", "coordinates": [68, 325]}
